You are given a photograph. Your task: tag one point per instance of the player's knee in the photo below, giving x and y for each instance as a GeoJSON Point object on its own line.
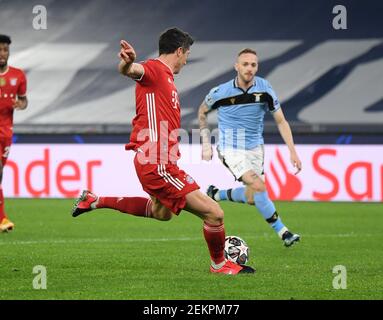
{"type": "Point", "coordinates": [255, 188]}
{"type": "Point", "coordinates": [166, 217]}
{"type": "Point", "coordinates": [162, 217]}
{"type": "Point", "coordinates": [216, 213]}
{"type": "Point", "coordinates": [249, 194]}
{"type": "Point", "coordinates": [160, 214]}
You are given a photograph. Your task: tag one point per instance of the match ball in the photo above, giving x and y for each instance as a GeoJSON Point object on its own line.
{"type": "Point", "coordinates": [236, 250]}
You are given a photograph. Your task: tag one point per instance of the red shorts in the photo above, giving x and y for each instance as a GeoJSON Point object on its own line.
{"type": "Point", "coordinates": [166, 182]}
{"type": "Point", "coordinates": [5, 147]}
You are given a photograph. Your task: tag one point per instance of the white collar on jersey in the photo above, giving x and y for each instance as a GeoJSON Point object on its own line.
{"type": "Point", "coordinates": [165, 64]}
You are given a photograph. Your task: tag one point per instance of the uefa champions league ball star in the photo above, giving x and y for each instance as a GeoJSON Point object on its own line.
{"type": "Point", "coordinates": [236, 250]}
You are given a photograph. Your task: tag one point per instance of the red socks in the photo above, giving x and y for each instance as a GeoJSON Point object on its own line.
{"type": "Point", "coordinates": [2, 213]}
{"type": "Point", "coordinates": [215, 238]}
{"type": "Point", "coordinates": [136, 206]}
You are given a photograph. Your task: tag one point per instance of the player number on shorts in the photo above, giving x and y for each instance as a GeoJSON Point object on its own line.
{"type": "Point", "coordinates": [6, 152]}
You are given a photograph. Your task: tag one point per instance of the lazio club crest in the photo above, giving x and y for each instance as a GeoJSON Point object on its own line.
{"type": "Point", "coordinates": [257, 96]}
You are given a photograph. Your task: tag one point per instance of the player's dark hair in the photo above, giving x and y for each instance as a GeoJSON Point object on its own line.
{"type": "Point", "coordinates": [5, 39]}
{"type": "Point", "coordinates": [247, 50]}
{"type": "Point", "coordinates": [172, 39]}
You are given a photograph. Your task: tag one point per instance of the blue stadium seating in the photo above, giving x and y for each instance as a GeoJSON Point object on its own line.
{"type": "Point", "coordinates": [325, 78]}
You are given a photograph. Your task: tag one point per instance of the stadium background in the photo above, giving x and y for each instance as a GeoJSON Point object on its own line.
{"type": "Point", "coordinates": [328, 81]}
{"type": "Point", "coordinates": [73, 132]}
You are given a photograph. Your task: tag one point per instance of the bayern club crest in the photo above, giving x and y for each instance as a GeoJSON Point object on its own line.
{"type": "Point", "coordinates": [13, 81]}
{"type": "Point", "coordinates": [189, 179]}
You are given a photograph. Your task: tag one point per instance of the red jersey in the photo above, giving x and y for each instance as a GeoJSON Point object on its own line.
{"type": "Point", "coordinates": [158, 114]}
{"type": "Point", "coordinates": [13, 83]}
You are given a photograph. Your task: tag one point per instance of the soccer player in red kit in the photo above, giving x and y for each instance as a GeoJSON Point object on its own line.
{"type": "Point", "coordinates": [13, 89]}
{"type": "Point", "coordinates": [155, 140]}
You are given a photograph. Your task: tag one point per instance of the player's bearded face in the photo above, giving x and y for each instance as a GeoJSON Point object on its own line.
{"type": "Point", "coordinates": [247, 66]}
{"type": "Point", "coordinates": [4, 54]}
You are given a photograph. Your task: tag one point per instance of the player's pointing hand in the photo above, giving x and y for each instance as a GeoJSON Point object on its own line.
{"type": "Point", "coordinates": [127, 52]}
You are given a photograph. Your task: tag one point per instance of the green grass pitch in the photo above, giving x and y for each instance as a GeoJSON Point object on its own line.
{"type": "Point", "coordinates": [110, 255]}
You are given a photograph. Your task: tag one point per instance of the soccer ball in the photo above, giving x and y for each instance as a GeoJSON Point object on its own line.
{"type": "Point", "coordinates": [236, 250]}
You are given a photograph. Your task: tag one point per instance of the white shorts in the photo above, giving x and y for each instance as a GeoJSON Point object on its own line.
{"type": "Point", "coordinates": [241, 161]}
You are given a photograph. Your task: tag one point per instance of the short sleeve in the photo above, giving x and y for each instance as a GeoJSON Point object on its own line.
{"type": "Point", "coordinates": [212, 98]}
{"type": "Point", "coordinates": [274, 104]}
{"type": "Point", "coordinates": [22, 90]}
{"type": "Point", "coordinates": [148, 76]}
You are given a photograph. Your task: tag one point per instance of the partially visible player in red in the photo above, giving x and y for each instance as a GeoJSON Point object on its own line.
{"type": "Point", "coordinates": [154, 139]}
{"type": "Point", "coordinates": [13, 90]}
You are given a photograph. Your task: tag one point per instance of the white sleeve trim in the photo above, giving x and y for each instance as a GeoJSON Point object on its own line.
{"type": "Point", "coordinates": [140, 78]}
{"type": "Point", "coordinates": [276, 107]}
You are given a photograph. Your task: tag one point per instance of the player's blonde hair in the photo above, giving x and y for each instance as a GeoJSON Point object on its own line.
{"type": "Point", "coordinates": [247, 50]}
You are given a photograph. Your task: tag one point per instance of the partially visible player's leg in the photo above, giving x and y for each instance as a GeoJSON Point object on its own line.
{"type": "Point", "coordinates": [159, 211]}
{"type": "Point", "coordinates": [2, 213]}
{"type": "Point", "coordinates": [5, 224]}
{"type": "Point", "coordinates": [214, 232]}
{"type": "Point", "coordinates": [152, 183]}
{"type": "Point", "coordinates": [237, 163]}
{"type": "Point", "coordinates": [247, 166]}
{"type": "Point", "coordinates": [212, 215]}
{"type": "Point", "coordinates": [234, 195]}
{"type": "Point", "coordinates": [256, 193]}
{"type": "Point", "coordinates": [137, 206]}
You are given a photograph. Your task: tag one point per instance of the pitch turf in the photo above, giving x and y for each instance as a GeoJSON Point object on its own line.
{"type": "Point", "coordinates": [109, 255]}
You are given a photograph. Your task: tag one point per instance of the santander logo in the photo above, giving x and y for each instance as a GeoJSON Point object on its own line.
{"type": "Point", "coordinates": [330, 173]}
{"type": "Point", "coordinates": [288, 188]}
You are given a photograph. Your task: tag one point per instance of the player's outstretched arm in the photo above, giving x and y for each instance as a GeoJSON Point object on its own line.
{"type": "Point", "coordinates": [207, 150]}
{"type": "Point", "coordinates": [127, 67]}
{"type": "Point", "coordinates": [287, 136]}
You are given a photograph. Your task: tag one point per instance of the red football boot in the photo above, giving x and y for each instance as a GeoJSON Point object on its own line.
{"type": "Point", "coordinates": [232, 268]}
{"type": "Point", "coordinates": [83, 203]}
{"type": "Point", "coordinates": [6, 225]}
